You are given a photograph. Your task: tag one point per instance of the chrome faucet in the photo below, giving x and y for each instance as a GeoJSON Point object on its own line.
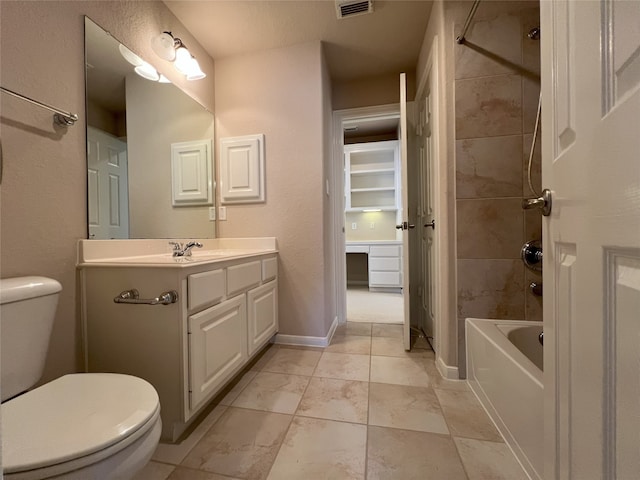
{"type": "Point", "coordinates": [182, 250]}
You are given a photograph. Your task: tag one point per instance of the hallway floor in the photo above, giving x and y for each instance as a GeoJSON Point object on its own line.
{"type": "Point", "coordinates": [379, 307]}
{"type": "Point", "coordinates": [362, 408]}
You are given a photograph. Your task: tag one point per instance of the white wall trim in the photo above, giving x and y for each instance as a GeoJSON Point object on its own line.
{"type": "Point", "coordinates": [447, 371]}
{"type": "Point", "coordinates": [307, 341]}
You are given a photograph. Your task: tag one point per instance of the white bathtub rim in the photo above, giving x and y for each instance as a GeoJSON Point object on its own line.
{"type": "Point", "coordinates": [487, 328]}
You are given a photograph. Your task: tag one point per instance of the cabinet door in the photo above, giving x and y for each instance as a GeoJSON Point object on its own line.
{"type": "Point", "coordinates": [263, 314]}
{"type": "Point", "coordinates": [217, 347]}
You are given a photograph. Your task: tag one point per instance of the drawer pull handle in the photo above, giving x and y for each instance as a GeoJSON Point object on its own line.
{"type": "Point", "coordinates": [133, 297]}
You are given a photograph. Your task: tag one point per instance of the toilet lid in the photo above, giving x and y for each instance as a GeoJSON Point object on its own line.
{"type": "Point", "coordinates": [73, 416]}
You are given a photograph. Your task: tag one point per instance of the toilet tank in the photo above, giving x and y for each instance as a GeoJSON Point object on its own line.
{"type": "Point", "coordinates": [27, 309]}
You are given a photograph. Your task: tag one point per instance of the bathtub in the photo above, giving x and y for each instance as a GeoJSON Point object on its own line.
{"type": "Point", "coordinates": [504, 370]}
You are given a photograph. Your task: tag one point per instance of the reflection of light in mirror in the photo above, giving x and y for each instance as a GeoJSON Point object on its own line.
{"type": "Point", "coordinates": [129, 56]}
{"type": "Point", "coordinates": [147, 71]}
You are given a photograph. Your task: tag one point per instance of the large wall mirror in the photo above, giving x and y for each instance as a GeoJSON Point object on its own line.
{"type": "Point", "coordinates": [133, 126]}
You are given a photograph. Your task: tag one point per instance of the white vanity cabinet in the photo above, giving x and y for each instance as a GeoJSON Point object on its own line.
{"type": "Point", "coordinates": [226, 312]}
{"type": "Point", "coordinates": [384, 262]}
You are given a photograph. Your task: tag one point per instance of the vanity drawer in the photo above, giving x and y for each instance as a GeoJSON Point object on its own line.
{"type": "Point", "coordinates": [205, 288]}
{"type": "Point", "coordinates": [242, 277]}
{"type": "Point", "coordinates": [385, 250]}
{"type": "Point", "coordinates": [388, 264]}
{"type": "Point", "coordinates": [385, 279]}
{"type": "Point", "coordinates": [269, 268]}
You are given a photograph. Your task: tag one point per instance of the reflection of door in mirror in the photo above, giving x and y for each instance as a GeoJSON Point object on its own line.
{"type": "Point", "coordinates": [107, 185]}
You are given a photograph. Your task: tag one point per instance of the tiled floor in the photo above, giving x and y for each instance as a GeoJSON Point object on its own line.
{"type": "Point", "coordinates": [362, 408]}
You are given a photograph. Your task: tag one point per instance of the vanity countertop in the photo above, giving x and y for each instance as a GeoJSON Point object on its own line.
{"type": "Point", "coordinates": [374, 242]}
{"type": "Point", "coordinates": [157, 253]}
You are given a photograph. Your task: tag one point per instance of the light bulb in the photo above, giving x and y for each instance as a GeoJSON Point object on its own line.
{"type": "Point", "coordinates": [195, 72]}
{"type": "Point", "coordinates": [183, 60]}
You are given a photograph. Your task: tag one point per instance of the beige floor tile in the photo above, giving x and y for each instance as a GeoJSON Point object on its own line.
{"type": "Point", "coordinates": [409, 408]}
{"type": "Point", "coordinates": [243, 444]}
{"type": "Point", "coordinates": [465, 416]}
{"type": "Point", "coordinates": [383, 330]}
{"type": "Point", "coordinates": [352, 328]}
{"type": "Point", "coordinates": [350, 344]}
{"type": "Point", "coordinates": [404, 455]}
{"type": "Point", "coordinates": [489, 460]}
{"type": "Point", "coordinates": [344, 400]}
{"type": "Point", "coordinates": [273, 392]}
{"type": "Point", "coordinates": [293, 361]}
{"type": "Point", "coordinates": [238, 387]}
{"type": "Point", "coordinates": [182, 473]}
{"type": "Point", "coordinates": [315, 449]}
{"type": "Point", "coordinates": [264, 358]}
{"type": "Point", "coordinates": [174, 453]}
{"type": "Point", "coordinates": [394, 347]}
{"type": "Point", "coordinates": [399, 371]}
{"type": "Point", "coordinates": [345, 366]}
{"type": "Point", "coordinates": [154, 471]}
{"type": "Point", "coordinates": [438, 382]}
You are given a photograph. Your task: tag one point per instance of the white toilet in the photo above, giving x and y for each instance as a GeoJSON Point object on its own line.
{"type": "Point", "coordinates": [81, 426]}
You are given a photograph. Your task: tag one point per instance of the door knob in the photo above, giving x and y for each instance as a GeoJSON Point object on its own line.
{"type": "Point", "coordinates": [431, 224]}
{"type": "Point", "coordinates": [405, 226]}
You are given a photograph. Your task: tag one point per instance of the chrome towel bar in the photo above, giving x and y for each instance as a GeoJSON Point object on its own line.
{"type": "Point", "coordinates": [65, 119]}
{"type": "Point", "coordinates": [133, 297]}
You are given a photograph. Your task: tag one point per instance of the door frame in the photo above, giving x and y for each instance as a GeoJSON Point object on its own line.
{"type": "Point", "coordinates": [340, 117]}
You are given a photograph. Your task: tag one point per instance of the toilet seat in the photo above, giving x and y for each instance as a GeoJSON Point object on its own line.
{"type": "Point", "coordinates": [74, 421]}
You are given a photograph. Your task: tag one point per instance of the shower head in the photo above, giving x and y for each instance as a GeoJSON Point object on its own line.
{"type": "Point", "coordinates": [534, 33]}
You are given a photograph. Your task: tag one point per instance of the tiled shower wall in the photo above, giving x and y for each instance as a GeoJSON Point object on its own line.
{"type": "Point", "coordinates": [497, 83]}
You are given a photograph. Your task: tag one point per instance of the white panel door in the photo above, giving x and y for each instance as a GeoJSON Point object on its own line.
{"type": "Point", "coordinates": [591, 162]}
{"type": "Point", "coordinates": [192, 173]}
{"type": "Point", "coordinates": [404, 189]}
{"type": "Point", "coordinates": [426, 217]}
{"type": "Point", "coordinates": [242, 169]}
{"type": "Point", "coordinates": [107, 185]}
{"type": "Point", "coordinates": [217, 347]}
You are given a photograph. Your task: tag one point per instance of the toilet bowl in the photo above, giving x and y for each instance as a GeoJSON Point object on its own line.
{"type": "Point", "coordinates": [82, 426]}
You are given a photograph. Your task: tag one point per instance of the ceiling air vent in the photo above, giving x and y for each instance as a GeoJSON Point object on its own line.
{"type": "Point", "coordinates": [351, 8]}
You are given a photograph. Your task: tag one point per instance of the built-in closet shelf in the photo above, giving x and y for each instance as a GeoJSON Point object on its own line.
{"type": "Point", "coordinates": [371, 176]}
{"type": "Point", "coordinates": [376, 189]}
{"type": "Point", "coordinates": [373, 171]}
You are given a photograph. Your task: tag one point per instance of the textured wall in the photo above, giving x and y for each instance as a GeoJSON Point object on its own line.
{"type": "Point", "coordinates": [43, 192]}
{"type": "Point", "coordinates": [279, 93]}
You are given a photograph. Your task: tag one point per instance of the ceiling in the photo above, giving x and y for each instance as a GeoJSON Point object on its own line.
{"type": "Point", "coordinates": [383, 42]}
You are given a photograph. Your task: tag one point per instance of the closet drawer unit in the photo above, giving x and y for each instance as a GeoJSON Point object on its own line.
{"type": "Point", "coordinates": [385, 279]}
{"type": "Point", "coordinates": [385, 250]}
{"type": "Point", "coordinates": [269, 269]}
{"type": "Point", "coordinates": [206, 288]}
{"type": "Point", "coordinates": [386, 264]}
{"type": "Point", "coordinates": [243, 277]}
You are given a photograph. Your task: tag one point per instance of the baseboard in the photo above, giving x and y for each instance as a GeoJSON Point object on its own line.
{"type": "Point", "coordinates": [447, 371]}
{"type": "Point", "coordinates": [308, 341]}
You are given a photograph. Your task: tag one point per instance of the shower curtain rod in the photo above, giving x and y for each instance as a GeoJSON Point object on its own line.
{"type": "Point", "coordinates": [460, 38]}
{"type": "Point", "coordinates": [61, 117]}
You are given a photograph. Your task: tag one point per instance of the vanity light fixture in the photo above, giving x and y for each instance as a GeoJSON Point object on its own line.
{"type": "Point", "coordinates": [171, 48]}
